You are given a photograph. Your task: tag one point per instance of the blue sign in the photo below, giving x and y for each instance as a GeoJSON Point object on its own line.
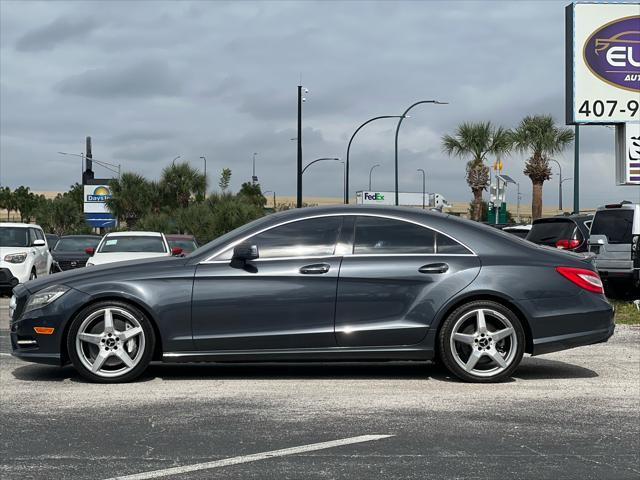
{"type": "Point", "coordinates": [100, 220]}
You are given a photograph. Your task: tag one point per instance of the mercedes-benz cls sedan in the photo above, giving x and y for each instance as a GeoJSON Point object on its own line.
{"type": "Point", "coordinates": [335, 283]}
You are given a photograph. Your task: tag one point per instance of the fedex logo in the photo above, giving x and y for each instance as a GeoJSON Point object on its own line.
{"type": "Point", "coordinates": [373, 196]}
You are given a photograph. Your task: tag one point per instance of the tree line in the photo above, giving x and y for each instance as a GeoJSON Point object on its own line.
{"type": "Point", "coordinates": [536, 135]}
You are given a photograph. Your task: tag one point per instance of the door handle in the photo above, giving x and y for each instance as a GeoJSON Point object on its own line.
{"type": "Point", "coordinates": [434, 268]}
{"type": "Point", "coordinates": [315, 269]}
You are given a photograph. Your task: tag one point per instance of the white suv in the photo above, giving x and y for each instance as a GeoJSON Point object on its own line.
{"type": "Point", "coordinates": [24, 254]}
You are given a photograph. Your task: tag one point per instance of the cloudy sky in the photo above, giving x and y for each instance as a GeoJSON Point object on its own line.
{"type": "Point", "coordinates": [153, 80]}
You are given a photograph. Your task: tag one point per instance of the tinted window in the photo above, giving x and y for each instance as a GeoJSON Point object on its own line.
{"type": "Point", "coordinates": [76, 244]}
{"type": "Point", "coordinates": [39, 234]}
{"type": "Point", "coordinates": [313, 237]}
{"type": "Point", "coordinates": [375, 235]}
{"type": "Point", "coordinates": [14, 237]}
{"type": "Point", "coordinates": [133, 243]}
{"type": "Point", "coordinates": [616, 225]}
{"type": "Point", "coordinates": [32, 235]}
{"type": "Point", "coordinates": [187, 246]}
{"type": "Point", "coordinates": [448, 246]}
{"type": "Point", "coordinates": [549, 232]}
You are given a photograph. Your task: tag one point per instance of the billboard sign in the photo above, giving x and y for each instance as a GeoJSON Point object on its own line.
{"type": "Point", "coordinates": [628, 154]}
{"type": "Point", "coordinates": [603, 62]}
{"type": "Point", "coordinates": [95, 210]}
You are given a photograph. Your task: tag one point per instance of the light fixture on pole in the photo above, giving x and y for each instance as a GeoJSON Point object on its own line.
{"type": "Point", "coordinates": [559, 183]}
{"type": "Point", "coordinates": [402, 117]}
{"type": "Point", "coordinates": [274, 197]}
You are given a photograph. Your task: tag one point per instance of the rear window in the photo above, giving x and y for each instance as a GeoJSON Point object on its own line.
{"type": "Point", "coordinates": [616, 225]}
{"type": "Point", "coordinates": [549, 232]}
{"type": "Point", "coordinates": [76, 244]}
{"type": "Point", "coordinates": [133, 243]}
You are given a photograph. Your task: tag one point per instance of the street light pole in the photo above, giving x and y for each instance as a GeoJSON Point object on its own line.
{"type": "Point", "coordinates": [205, 174]}
{"type": "Point", "coordinates": [346, 197]}
{"type": "Point", "coordinates": [424, 185]}
{"type": "Point", "coordinates": [299, 141]}
{"type": "Point", "coordinates": [518, 203]}
{"type": "Point", "coordinates": [274, 197]}
{"type": "Point", "coordinates": [402, 117]}
{"type": "Point", "coordinates": [559, 183]}
{"type": "Point", "coordinates": [308, 165]}
{"type": "Point", "coordinates": [254, 179]}
{"type": "Point", "coordinates": [370, 172]}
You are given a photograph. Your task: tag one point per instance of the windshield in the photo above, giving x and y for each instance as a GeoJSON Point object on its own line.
{"type": "Point", "coordinates": [185, 244]}
{"type": "Point", "coordinates": [14, 237]}
{"type": "Point", "coordinates": [76, 244]}
{"type": "Point", "coordinates": [616, 225]}
{"type": "Point", "coordinates": [132, 243]}
{"type": "Point", "coordinates": [549, 232]}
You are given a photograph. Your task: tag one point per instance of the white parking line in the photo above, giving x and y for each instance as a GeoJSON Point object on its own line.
{"type": "Point", "coordinates": [250, 458]}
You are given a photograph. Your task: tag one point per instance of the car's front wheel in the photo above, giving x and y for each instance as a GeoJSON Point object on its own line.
{"type": "Point", "coordinates": [110, 342]}
{"type": "Point", "coordinates": [482, 341]}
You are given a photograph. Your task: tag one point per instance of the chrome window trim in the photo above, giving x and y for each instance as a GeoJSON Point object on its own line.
{"type": "Point", "coordinates": [344, 214]}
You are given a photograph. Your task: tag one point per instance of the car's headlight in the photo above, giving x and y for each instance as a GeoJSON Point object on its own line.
{"type": "Point", "coordinates": [45, 297]}
{"type": "Point", "coordinates": [16, 257]}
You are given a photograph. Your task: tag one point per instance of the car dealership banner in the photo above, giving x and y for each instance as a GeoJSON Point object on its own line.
{"type": "Point", "coordinates": [95, 210]}
{"type": "Point", "coordinates": [603, 62]}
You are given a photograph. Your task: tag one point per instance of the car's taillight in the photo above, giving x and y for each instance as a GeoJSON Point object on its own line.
{"type": "Point", "coordinates": [587, 279]}
{"type": "Point", "coordinates": [568, 244]}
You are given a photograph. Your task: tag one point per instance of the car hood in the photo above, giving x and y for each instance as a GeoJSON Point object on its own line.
{"type": "Point", "coordinates": [9, 250]}
{"type": "Point", "coordinates": [70, 277]}
{"type": "Point", "coordinates": [102, 258]}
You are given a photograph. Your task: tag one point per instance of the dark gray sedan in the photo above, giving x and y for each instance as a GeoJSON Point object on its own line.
{"type": "Point", "coordinates": [335, 283]}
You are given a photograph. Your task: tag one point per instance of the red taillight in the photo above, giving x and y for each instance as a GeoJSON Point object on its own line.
{"type": "Point", "coordinates": [568, 244]}
{"type": "Point", "coordinates": [587, 279]}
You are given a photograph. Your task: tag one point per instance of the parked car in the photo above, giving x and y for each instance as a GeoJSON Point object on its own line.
{"type": "Point", "coordinates": [70, 250]}
{"type": "Point", "coordinates": [24, 254]}
{"type": "Point", "coordinates": [615, 241]}
{"type": "Point", "coordinates": [186, 242]}
{"type": "Point", "coordinates": [567, 232]}
{"type": "Point", "coordinates": [123, 246]}
{"type": "Point", "coordinates": [325, 284]}
{"type": "Point", "coordinates": [52, 239]}
{"type": "Point", "coordinates": [518, 230]}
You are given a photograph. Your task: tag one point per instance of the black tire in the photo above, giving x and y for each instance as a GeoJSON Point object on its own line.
{"type": "Point", "coordinates": [33, 275]}
{"type": "Point", "coordinates": [146, 356]}
{"type": "Point", "coordinates": [444, 342]}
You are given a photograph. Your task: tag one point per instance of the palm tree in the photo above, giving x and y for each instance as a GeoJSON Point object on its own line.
{"type": "Point", "coordinates": [539, 136]}
{"type": "Point", "coordinates": [181, 184]}
{"type": "Point", "coordinates": [131, 198]}
{"type": "Point", "coordinates": [477, 140]}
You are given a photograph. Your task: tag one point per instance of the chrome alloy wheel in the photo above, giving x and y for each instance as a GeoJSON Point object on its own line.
{"type": "Point", "coordinates": [483, 342]}
{"type": "Point", "coordinates": [110, 342]}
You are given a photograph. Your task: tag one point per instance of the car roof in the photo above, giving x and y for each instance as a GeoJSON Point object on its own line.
{"type": "Point", "coordinates": [134, 234]}
{"type": "Point", "coordinates": [615, 206]}
{"type": "Point", "coordinates": [88, 235]}
{"type": "Point", "coordinates": [21, 225]}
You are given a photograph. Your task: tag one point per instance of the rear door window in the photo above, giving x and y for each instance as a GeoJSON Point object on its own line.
{"type": "Point", "coordinates": [376, 235]}
{"type": "Point", "coordinates": [616, 225]}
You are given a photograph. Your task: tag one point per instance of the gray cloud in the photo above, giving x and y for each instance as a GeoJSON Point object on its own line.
{"type": "Point", "coordinates": [147, 78]}
{"type": "Point", "coordinates": [61, 30]}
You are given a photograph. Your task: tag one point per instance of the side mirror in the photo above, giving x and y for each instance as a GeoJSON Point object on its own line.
{"type": "Point", "coordinates": [90, 251]}
{"type": "Point", "coordinates": [175, 251]}
{"type": "Point", "coordinates": [38, 243]}
{"type": "Point", "coordinates": [245, 252]}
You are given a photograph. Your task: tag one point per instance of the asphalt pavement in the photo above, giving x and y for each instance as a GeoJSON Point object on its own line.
{"type": "Point", "coordinates": [570, 415]}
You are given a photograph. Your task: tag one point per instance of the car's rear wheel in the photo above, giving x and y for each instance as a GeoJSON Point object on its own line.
{"type": "Point", "coordinates": [32, 275]}
{"type": "Point", "coordinates": [110, 342]}
{"type": "Point", "coordinates": [482, 341]}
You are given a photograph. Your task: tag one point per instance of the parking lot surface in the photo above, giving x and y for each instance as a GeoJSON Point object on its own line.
{"type": "Point", "coordinates": [573, 414]}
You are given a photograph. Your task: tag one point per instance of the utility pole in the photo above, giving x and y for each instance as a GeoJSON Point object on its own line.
{"type": "Point", "coordinates": [576, 171]}
{"type": "Point", "coordinates": [518, 203]}
{"type": "Point", "coordinates": [254, 179]}
{"type": "Point", "coordinates": [299, 140]}
{"type": "Point", "coordinates": [205, 174]}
